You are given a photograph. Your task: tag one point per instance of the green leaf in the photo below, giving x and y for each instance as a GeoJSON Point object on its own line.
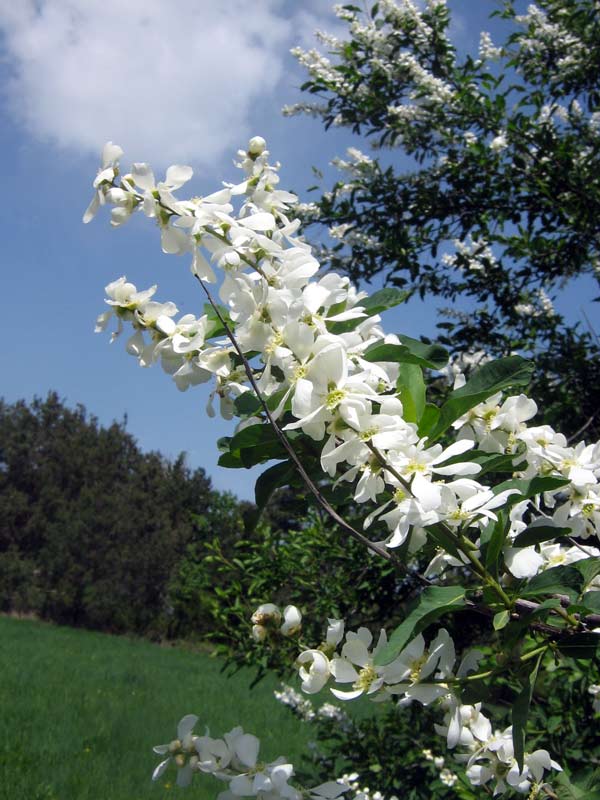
{"type": "Point", "coordinates": [252, 436]}
{"type": "Point", "coordinates": [520, 713]}
{"type": "Point", "coordinates": [429, 419]}
{"type": "Point", "coordinates": [253, 445]}
{"type": "Point", "coordinates": [486, 381]}
{"type": "Point", "coordinates": [535, 534]}
{"type": "Point", "coordinates": [583, 786]}
{"type": "Point", "coordinates": [271, 479]}
{"type": "Point", "coordinates": [434, 354]}
{"type": "Point", "coordinates": [501, 620]}
{"type": "Point", "coordinates": [529, 488]}
{"type": "Point", "coordinates": [557, 580]}
{"type": "Point", "coordinates": [374, 304]}
{"type": "Point", "coordinates": [230, 460]}
{"type": "Point", "coordinates": [215, 327]}
{"type": "Point", "coordinates": [591, 600]}
{"type": "Point", "coordinates": [383, 299]}
{"type": "Point", "coordinates": [410, 351]}
{"type": "Point", "coordinates": [247, 404]}
{"type": "Point", "coordinates": [589, 568]}
{"type": "Point", "coordinates": [411, 389]}
{"type": "Point", "coordinates": [433, 602]}
{"type": "Point", "coordinates": [492, 541]}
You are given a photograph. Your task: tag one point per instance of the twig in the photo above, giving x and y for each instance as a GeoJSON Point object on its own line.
{"type": "Point", "coordinates": [373, 546]}
{"type": "Point", "coordinates": [584, 427]}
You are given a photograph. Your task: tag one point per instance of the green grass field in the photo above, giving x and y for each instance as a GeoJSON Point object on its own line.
{"type": "Point", "coordinates": [80, 712]}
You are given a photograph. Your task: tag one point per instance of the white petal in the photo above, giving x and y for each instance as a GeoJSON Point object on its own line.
{"type": "Point", "coordinates": [523, 562]}
{"type": "Point", "coordinates": [426, 492]}
{"type": "Point", "coordinates": [246, 749]}
{"type": "Point", "coordinates": [174, 240]}
{"type": "Point", "coordinates": [178, 175]}
{"type": "Point", "coordinates": [356, 652]}
{"type": "Point", "coordinates": [184, 776]}
{"type": "Point", "coordinates": [454, 450]}
{"type": "Point", "coordinates": [91, 210]}
{"type": "Point", "coordinates": [241, 786]}
{"type": "Point", "coordinates": [186, 725]}
{"type": "Point", "coordinates": [160, 769]}
{"type": "Point", "coordinates": [329, 789]}
{"type": "Point", "coordinates": [143, 176]}
{"type": "Point", "coordinates": [259, 222]}
{"type": "Point", "coordinates": [343, 671]}
{"type": "Point", "coordinates": [111, 153]}
{"type": "Point", "coordinates": [346, 695]}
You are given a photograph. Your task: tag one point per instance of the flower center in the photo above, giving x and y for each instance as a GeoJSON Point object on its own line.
{"type": "Point", "coordinates": [368, 434]}
{"type": "Point", "coordinates": [365, 678]}
{"type": "Point", "coordinates": [334, 398]}
{"type": "Point", "coordinates": [417, 664]}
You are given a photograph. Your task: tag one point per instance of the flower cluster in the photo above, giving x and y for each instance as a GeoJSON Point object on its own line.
{"type": "Point", "coordinates": [234, 760]}
{"type": "Point", "coordinates": [428, 675]}
{"type": "Point", "coordinates": [313, 350]}
{"type": "Point", "coordinates": [303, 708]}
{"type": "Point", "coordinates": [268, 618]}
{"type": "Point", "coordinates": [360, 792]}
{"type": "Point", "coordinates": [323, 381]}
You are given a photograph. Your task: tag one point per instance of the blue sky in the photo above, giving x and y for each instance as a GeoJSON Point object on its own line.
{"type": "Point", "coordinates": [188, 86]}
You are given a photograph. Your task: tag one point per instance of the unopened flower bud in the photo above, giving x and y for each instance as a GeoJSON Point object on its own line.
{"type": "Point", "coordinates": [267, 614]}
{"type": "Point", "coordinates": [256, 146]}
{"type": "Point", "coordinates": [259, 633]}
{"type": "Point", "coordinates": [292, 621]}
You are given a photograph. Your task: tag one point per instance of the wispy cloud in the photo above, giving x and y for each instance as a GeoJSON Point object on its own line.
{"type": "Point", "coordinates": [168, 81]}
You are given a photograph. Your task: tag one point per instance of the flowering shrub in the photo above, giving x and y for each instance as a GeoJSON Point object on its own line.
{"type": "Point", "coordinates": [486, 189]}
{"type": "Point", "coordinates": [505, 514]}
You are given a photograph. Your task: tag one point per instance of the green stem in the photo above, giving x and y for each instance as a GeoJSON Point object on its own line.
{"type": "Point", "coordinates": [533, 653]}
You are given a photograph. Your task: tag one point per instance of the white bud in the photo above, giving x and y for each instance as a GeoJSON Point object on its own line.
{"type": "Point", "coordinates": [256, 146]}
{"type": "Point", "coordinates": [292, 621]}
{"type": "Point", "coordinates": [267, 613]}
{"type": "Point", "coordinates": [259, 633]}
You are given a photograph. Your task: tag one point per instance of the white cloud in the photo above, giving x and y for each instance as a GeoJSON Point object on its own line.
{"type": "Point", "coordinates": [167, 81]}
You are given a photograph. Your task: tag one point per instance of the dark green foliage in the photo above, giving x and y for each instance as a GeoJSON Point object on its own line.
{"type": "Point", "coordinates": [527, 209]}
{"type": "Point", "coordinates": [385, 745]}
{"type": "Point", "coordinates": [90, 527]}
{"type": "Point", "coordinates": [313, 566]}
{"type": "Point", "coordinates": [368, 744]}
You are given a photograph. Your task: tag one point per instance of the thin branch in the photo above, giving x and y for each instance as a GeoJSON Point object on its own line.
{"type": "Point", "coordinates": [584, 427]}
{"type": "Point", "coordinates": [373, 546]}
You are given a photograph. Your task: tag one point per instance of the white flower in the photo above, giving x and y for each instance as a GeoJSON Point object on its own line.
{"type": "Point", "coordinates": [499, 143]}
{"type": "Point", "coordinates": [181, 750]}
{"type": "Point", "coordinates": [292, 621]}
{"type": "Point", "coordinates": [111, 153]}
{"type": "Point", "coordinates": [594, 690]}
{"type": "Point", "coordinates": [315, 670]}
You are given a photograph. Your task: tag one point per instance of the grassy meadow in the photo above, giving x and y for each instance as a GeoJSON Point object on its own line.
{"type": "Point", "coordinates": [80, 712]}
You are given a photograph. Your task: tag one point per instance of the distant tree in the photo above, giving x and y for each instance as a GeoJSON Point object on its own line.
{"type": "Point", "coordinates": [91, 527]}
{"type": "Point", "coordinates": [501, 204]}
